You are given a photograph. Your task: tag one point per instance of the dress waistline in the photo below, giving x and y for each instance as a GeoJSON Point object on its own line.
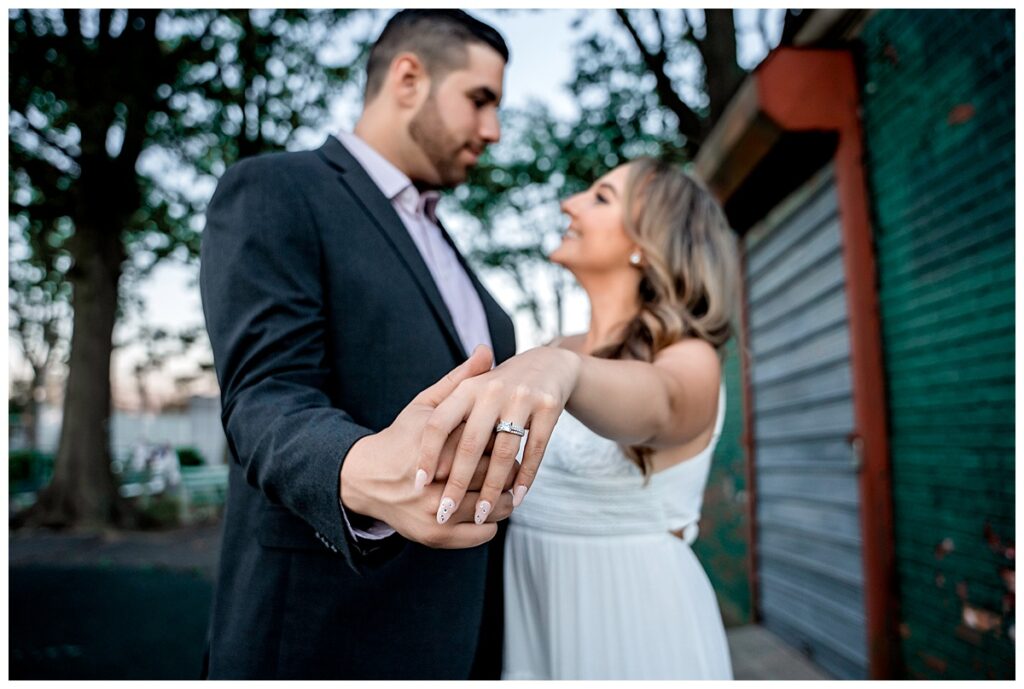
{"type": "Point", "coordinates": [560, 502]}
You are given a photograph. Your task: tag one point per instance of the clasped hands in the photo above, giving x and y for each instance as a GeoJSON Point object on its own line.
{"type": "Point", "coordinates": [440, 475]}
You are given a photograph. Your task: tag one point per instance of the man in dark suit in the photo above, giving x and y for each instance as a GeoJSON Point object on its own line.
{"type": "Point", "coordinates": [336, 305]}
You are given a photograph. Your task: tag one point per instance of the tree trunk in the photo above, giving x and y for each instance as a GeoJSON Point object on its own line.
{"type": "Point", "coordinates": [723, 75]}
{"type": "Point", "coordinates": [83, 491]}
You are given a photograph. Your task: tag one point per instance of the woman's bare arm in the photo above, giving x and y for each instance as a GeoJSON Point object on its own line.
{"type": "Point", "coordinates": [661, 404]}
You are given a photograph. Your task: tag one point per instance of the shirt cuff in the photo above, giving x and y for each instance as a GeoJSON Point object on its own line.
{"type": "Point", "coordinates": [375, 531]}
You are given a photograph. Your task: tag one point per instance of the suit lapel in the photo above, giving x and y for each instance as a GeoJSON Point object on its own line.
{"type": "Point", "coordinates": [379, 208]}
{"type": "Point", "coordinates": [499, 325]}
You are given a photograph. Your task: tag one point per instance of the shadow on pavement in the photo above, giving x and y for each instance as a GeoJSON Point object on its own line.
{"type": "Point", "coordinates": [78, 623]}
{"type": "Point", "coordinates": [110, 606]}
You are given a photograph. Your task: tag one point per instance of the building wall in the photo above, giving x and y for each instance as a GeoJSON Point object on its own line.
{"type": "Point", "coordinates": [722, 546]}
{"type": "Point", "coordinates": [938, 105]}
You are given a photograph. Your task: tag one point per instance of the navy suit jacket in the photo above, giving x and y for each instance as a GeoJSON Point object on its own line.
{"type": "Point", "coordinates": [325, 322]}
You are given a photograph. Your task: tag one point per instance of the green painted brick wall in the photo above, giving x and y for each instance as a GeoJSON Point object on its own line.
{"type": "Point", "coordinates": [938, 108]}
{"type": "Point", "coordinates": [722, 547]}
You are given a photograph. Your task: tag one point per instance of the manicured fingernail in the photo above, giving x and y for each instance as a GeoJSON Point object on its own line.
{"type": "Point", "coordinates": [421, 480]}
{"type": "Point", "coordinates": [482, 509]}
{"type": "Point", "coordinates": [518, 495]}
{"type": "Point", "coordinates": [445, 510]}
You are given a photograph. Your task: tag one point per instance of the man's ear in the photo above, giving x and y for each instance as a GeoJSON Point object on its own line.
{"type": "Point", "coordinates": [408, 80]}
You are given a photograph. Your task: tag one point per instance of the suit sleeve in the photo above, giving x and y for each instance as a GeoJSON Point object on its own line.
{"type": "Point", "coordinates": [260, 278]}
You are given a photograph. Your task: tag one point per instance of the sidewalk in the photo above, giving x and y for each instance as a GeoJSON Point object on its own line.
{"type": "Point", "coordinates": [194, 549]}
{"type": "Point", "coordinates": [759, 654]}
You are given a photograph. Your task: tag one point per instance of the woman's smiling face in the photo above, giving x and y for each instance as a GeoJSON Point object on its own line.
{"type": "Point", "coordinates": [596, 239]}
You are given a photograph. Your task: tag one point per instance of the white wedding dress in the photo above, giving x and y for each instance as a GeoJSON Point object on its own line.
{"type": "Point", "coordinates": [595, 585]}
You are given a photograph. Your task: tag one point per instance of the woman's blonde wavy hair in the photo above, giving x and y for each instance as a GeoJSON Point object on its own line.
{"type": "Point", "coordinates": [690, 281]}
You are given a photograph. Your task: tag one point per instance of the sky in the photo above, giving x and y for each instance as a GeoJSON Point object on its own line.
{"type": "Point", "coordinates": [541, 46]}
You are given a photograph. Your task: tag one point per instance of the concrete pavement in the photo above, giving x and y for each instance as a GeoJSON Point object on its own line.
{"type": "Point", "coordinates": [759, 654]}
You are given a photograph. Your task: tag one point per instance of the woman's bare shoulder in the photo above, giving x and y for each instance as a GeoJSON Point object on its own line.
{"type": "Point", "coordinates": [695, 366]}
{"type": "Point", "coordinates": [690, 347]}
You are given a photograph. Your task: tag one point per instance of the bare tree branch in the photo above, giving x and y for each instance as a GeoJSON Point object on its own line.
{"type": "Point", "coordinates": [660, 26]}
{"type": "Point", "coordinates": [73, 23]}
{"type": "Point", "coordinates": [686, 33]}
{"type": "Point", "coordinates": [794, 19]}
{"type": "Point", "coordinates": [690, 125]}
{"type": "Point", "coordinates": [718, 51]}
{"type": "Point", "coordinates": [106, 16]}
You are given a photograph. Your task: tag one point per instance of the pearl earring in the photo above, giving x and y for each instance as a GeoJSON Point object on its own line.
{"type": "Point", "coordinates": [634, 258]}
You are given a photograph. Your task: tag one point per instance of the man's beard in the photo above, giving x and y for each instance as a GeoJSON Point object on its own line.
{"type": "Point", "coordinates": [441, 148]}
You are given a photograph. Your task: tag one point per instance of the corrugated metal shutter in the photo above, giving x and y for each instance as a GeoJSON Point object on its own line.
{"type": "Point", "coordinates": [808, 508]}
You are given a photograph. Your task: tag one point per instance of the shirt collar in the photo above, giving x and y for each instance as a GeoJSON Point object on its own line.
{"type": "Point", "coordinates": [392, 182]}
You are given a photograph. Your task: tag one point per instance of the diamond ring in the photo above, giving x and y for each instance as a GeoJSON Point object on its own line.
{"type": "Point", "coordinates": [509, 427]}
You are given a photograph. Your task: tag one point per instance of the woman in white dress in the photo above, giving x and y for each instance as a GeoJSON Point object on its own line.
{"type": "Point", "coordinates": [600, 580]}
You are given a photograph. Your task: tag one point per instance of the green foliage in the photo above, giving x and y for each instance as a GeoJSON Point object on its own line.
{"type": "Point", "coordinates": [548, 159]}
{"type": "Point", "coordinates": [28, 469]}
{"type": "Point", "coordinates": [190, 457]}
{"type": "Point", "coordinates": [246, 82]}
{"type": "Point", "coordinates": [120, 121]}
{"type": "Point", "coordinates": [163, 511]}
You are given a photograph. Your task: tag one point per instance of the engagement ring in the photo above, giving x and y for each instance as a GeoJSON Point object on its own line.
{"type": "Point", "coordinates": [509, 427]}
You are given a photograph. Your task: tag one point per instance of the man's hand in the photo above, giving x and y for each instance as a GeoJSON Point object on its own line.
{"type": "Point", "coordinates": [529, 390]}
{"type": "Point", "coordinates": [379, 475]}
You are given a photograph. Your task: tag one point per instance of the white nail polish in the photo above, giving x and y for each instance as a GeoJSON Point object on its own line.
{"type": "Point", "coordinates": [421, 480]}
{"type": "Point", "coordinates": [518, 495]}
{"type": "Point", "coordinates": [445, 510]}
{"type": "Point", "coordinates": [483, 508]}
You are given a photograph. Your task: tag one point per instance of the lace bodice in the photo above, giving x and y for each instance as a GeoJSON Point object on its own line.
{"type": "Point", "coordinates": [587, 486]}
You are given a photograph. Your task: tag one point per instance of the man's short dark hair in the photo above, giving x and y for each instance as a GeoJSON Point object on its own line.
{"type": "Point", "coordinates": [438, 37]}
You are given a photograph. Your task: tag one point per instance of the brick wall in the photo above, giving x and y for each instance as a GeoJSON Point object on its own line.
{"type": "Point", "coordinates": [938, 113]}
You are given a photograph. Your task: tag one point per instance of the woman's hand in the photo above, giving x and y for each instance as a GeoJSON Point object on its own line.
{"type": "Point", "coordinates": [377, 475]}
{"type": "Point", "coordinates": [529, 390]}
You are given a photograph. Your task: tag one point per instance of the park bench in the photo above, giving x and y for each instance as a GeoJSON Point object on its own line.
{"type": "Point", "coordinates": [205, 486]}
